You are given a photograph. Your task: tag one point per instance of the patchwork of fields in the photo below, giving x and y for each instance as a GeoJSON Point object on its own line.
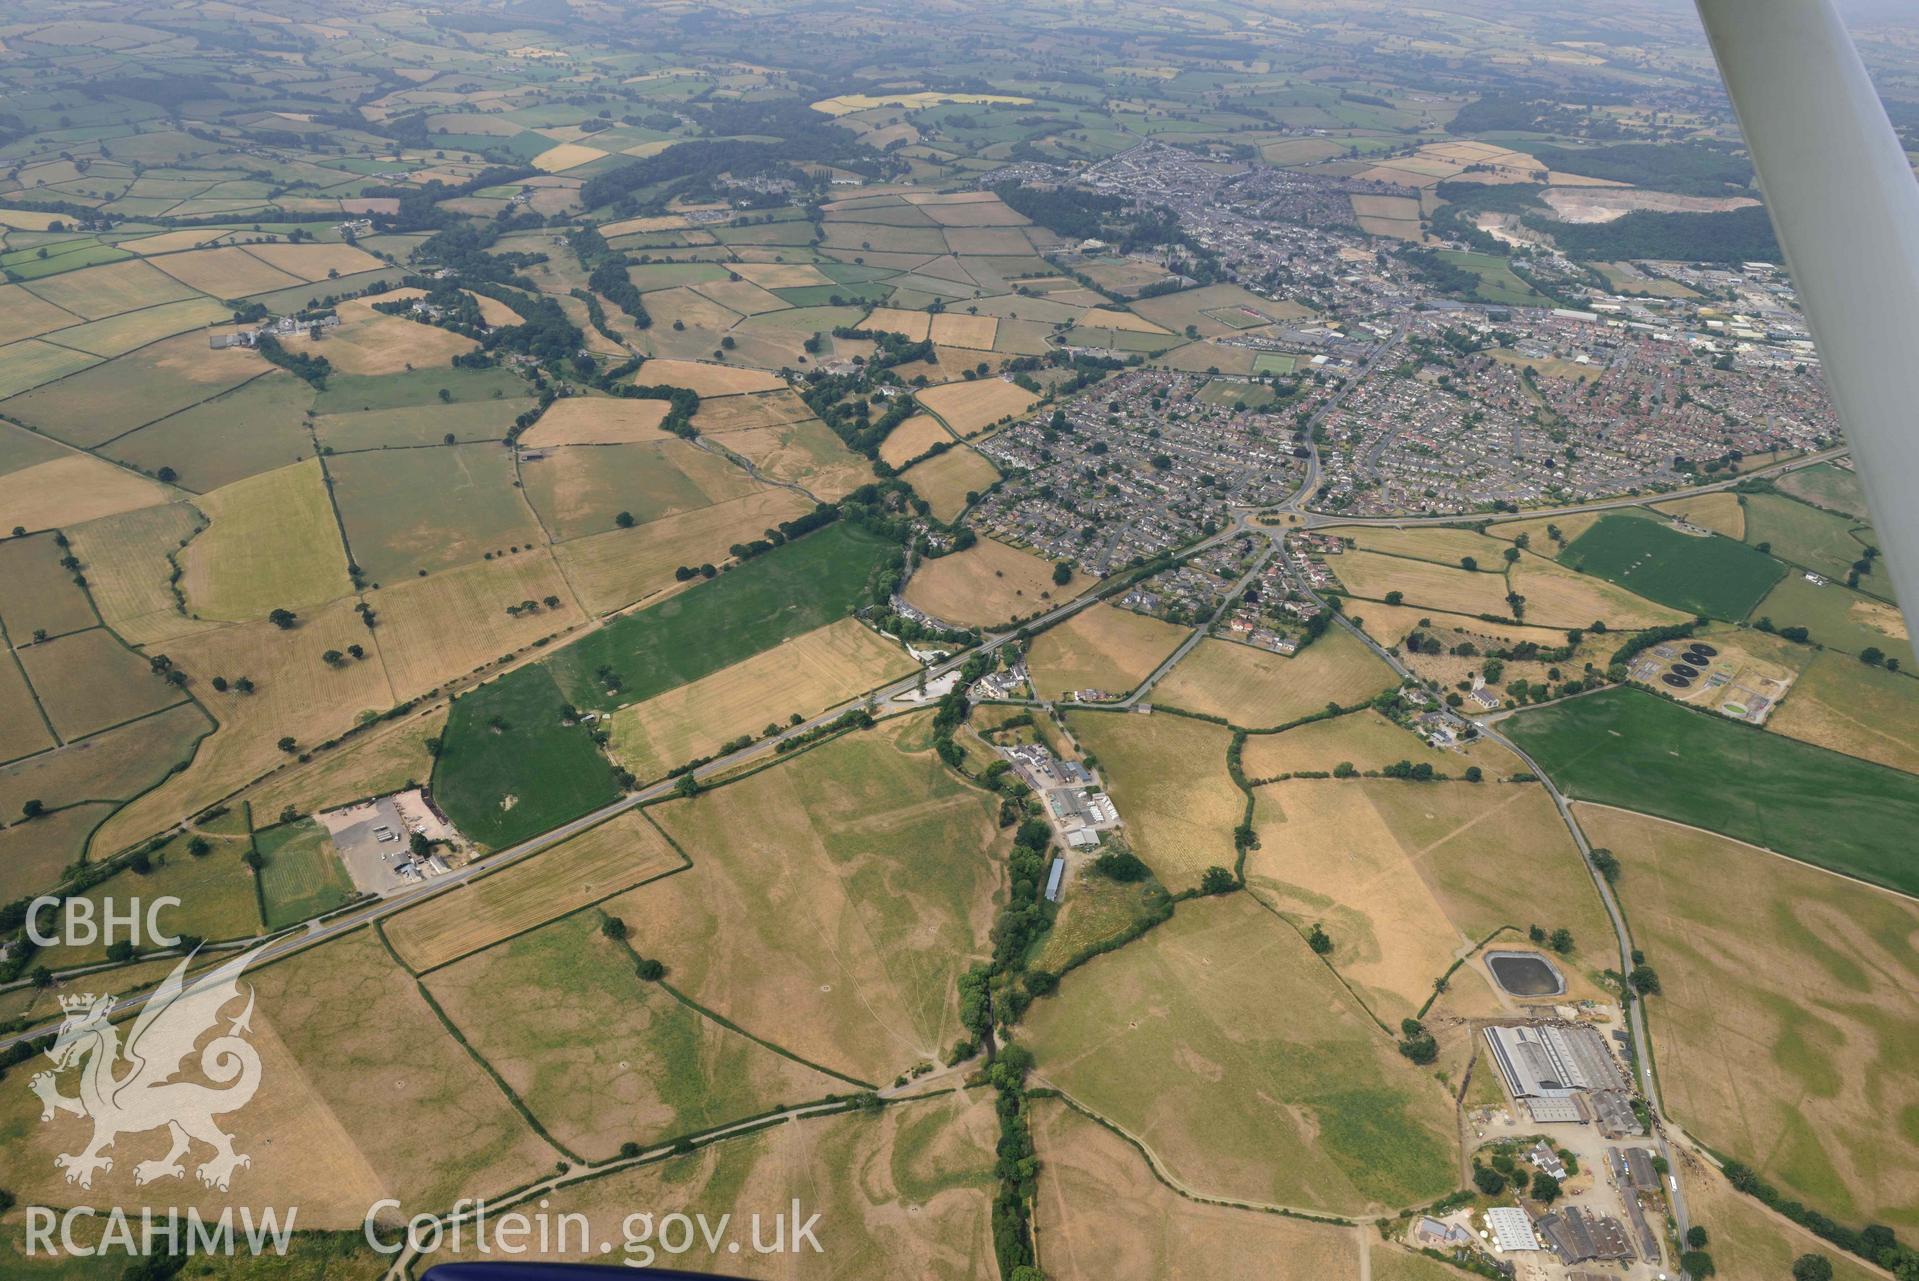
{"type": "Point", "coordinates": [331, 466]}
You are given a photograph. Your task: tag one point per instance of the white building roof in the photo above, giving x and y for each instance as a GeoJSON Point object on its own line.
{"type": "Point", "coordinates": [1511, 1229]}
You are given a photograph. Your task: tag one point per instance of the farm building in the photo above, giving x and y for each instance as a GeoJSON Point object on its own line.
{"type": "Point", "coordinates": [1551, 1060]}
{"type": "Point", "coordinates": [1055, 878]}
{"type": "Point", "coordinates": [1511, 1229]}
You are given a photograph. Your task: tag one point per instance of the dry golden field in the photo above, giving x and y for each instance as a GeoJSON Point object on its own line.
{"type": "Point", "coordinates": [1721, 511]}
{"type": "Point", "coordinates": [71, 490]}
{"type": "Point", "coordinates": [1167, 774]}
{"type": "Point", "coordinates": [725, 414]}
{"type": "Point", "coordinates": [381, 761]}
{"type": "Point", "coordinates": [226, 272]}
{"type": "Point", "coordinates": [125, 560]}
{"type": "Point", "coordinates": [1403, 876]}
{"type": "Point", "coordinates": [910, 1187]}
{"type": "Point", "coordinates": [1260, 689]}
{"type": "Point", "coordinates": [1103, 1212]}
{"type": "Point", "coordinates": [434, 629]}
{"type": "Point", "coordinates": [1101, 648]}
{"type": "Point", "coordinates": [371, 342]}
{"type": "Point", "coordinates": [376, 1062]}
{"type": "Point", "coordinates": [1558, 597]}
{"type": "Point", "coordinates": [88, 681]}
{"type": "Point", "coordinates": [969, 408]}
{"type": "Point", "coordinates": [1788, 1005]}
{"type": "Point", "coordinates": [597, 864]}
{"type": "Point", "coordinates": [295, 695]}
{"type": "Point", "coordinates": [1422, 583]}
{"type": "Point", "coordinates": [945, 481]}
{"type": "Point", "coordinates": [911, 439]}
{"type": "Point", "coordinates": [807, 674]}
{"type": "Point", "coordinates": [597, 420]}
{"type": "Point", "coordinates": [536, 1008]}
{"type": "Point", "coordinates": [709, 380]}
{"type": "Point", "coordinates": [891, 862]}
{"type": "Point", "coordinates": [951, 329]}
{"type": "Point", "coordinates": [1442, 546]}
{"type": "Point", "coordinates": [621, 566]}
{"type": "Point", "coordinates": [913, 325]}
{"type": "Point", "coordinates": [1369, 741]}
{"type": "Point", "coordinates": [313, 261]}
{"type": "Point", "coordinates": [987, 583]}
{"type": "Point", "coordinates": [1389, 625]}
{"type": "Point", "coordinates": [1841, 703]}
{"type": "Point", "coordinates": [1240, 1062]}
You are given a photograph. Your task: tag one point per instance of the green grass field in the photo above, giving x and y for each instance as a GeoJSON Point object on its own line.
{"type": "Point", "coordinates": [1805, 535]}
{"type": "Point", "coordinates": [1713, 576]}
{"type": "Point", "coordinates": [346, 393]}
{"type": "Point", "coordinates": [300, 873]}
{"type": "Point", "coordinates": [750, 608]}
{"type": "Point", "coordinates": [508, 769]}
{"type": "Point", "coordinates": [1497, 283]}
{"type": "Point", "coordinates": [1837, 617]}
{"type": "Point", "coordinates": [1826, 485]}
{"type": "Point", "coordinates": [1628, 748]}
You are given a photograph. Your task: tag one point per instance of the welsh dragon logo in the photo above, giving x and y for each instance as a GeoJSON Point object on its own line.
{"type": "Point", "coordinates": [130, 1089]}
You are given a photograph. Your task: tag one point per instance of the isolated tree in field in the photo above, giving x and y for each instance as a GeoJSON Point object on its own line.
{"type": "Point", "coordinates": [283, 618]}
{"type": "Point", "coordinates": [1394, 598]}
{"type": "Point", "coordinates": [624, 520]}
{"type": "Point", "coordinates": [333, 658]}
{"type": "Point", "coordinates": [33, 809]}
{"type": "Point", "coordinates": [288, 744]}
{"type": "Point", "coordinates": [1319, 940]}
{"type": "Point", "coordinates": [199, 847]}
{"type": "Point", "coordinates": [1561, 941]}
{"type": "Point", "coordinates": [1062, 574]}
{"type": "Point", "coordinates": [1474, 774]}
{"type": "Point", "coordinates": [244, 685]}
{"type": "Point", "coordinates": [1697, 1237]}
{"type": "Point", "coordinates": [650, 970]}
{"type": "Point", "coordinates": [613, 927]}
{"type": "Point", "coordinates": [1812, 1267]}
{"type": "Point", "coordinates": [1468, 563]}
{"type": "Point", "coordinates": [356, 651]}
{"type": "Point", "coordinates": [220, 684]}
{"type": "Point", "coordinates": [1872, 656]}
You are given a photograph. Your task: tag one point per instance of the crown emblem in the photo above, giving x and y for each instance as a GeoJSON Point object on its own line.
{"type": "Point", "coordinates": [78, 1001]}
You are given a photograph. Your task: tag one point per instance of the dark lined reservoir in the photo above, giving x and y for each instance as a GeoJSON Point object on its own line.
{"type": "Point", "coordinates": [1526, 973]}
